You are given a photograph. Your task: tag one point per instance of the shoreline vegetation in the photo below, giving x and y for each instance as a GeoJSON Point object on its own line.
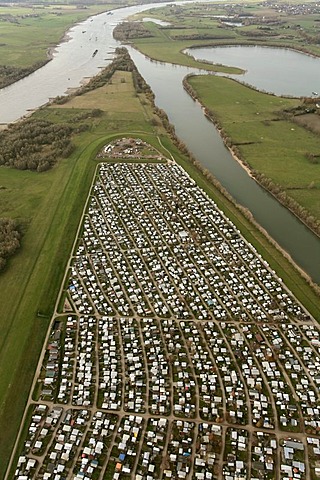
{"type": "Point", "coordinates": [10, 74]}
{"type": "Point", "coordinates": [10, 237]}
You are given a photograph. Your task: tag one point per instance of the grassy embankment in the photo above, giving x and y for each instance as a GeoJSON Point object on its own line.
{"type": "Point", "coordinates": [50, 206]}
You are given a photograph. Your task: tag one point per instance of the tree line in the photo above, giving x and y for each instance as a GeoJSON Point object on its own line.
{"type": "Point", "coordinates": [10, 74]}
{"type": "Point", "coordinates": [122, 62]}
{"type": "Point", "coordinates": [34, 144]}
{"type": "Point", "coordinates": [9, 240]}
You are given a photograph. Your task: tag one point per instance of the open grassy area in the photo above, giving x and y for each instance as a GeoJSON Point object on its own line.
{"type": "Point", "coordinates": [112, 98]}
{"type": "Point", "coordinates": [274, 146]}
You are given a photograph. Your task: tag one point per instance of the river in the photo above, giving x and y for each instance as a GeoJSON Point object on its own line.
{"type": "Point", "coordinates": [73, 60]}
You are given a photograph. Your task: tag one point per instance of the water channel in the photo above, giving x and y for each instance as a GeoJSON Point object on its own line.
{"type": "Point", "coordinates": [73, 60]}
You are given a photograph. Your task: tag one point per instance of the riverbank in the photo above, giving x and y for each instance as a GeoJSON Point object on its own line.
{"type": "Point", "coordinates": [278, 45]}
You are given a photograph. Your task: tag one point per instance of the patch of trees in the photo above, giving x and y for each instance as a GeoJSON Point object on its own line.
{"type": "Point", "coordinates": [9, 74]}
{"type": "Point", "coordinates": [129, 30]}
{"type": "Point", "coordinates": [313, 158]}
{"type": "Point", "coordinates": [34, 144]}
{"type": "Point", "coordinates": [9, 240]}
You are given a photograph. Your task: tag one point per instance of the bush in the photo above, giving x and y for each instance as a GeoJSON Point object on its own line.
{"type": "Point", "coordinates": [9, 240]}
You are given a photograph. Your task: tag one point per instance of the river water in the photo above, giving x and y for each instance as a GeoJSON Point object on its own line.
{"type": "Point", "coordinates": [73, 61]}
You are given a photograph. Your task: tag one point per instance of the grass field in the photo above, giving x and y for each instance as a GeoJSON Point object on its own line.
{"type": "Point", "coordinates": [111, 98]}
{"type": "Point", "coordinates": [270, 145]}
